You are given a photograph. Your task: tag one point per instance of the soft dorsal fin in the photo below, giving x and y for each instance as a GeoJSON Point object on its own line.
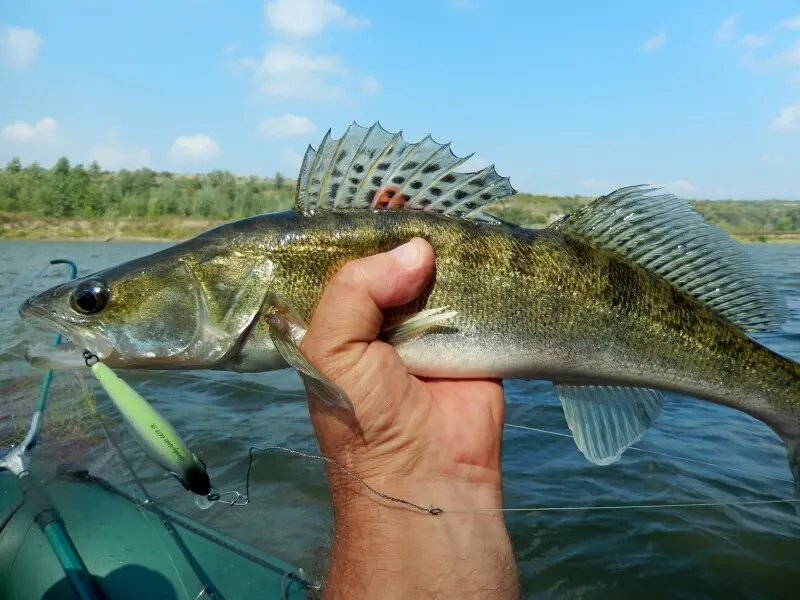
{"type": "Point", "coordinates": [373, 169]}
{"type": "Point", "coordinates": [665, 235]}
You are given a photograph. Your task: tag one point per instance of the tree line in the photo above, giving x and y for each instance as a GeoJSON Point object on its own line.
{"type": "Point", "coordinates": [76, 191]}
{"type": "Point", "coordinates": [72, 191]}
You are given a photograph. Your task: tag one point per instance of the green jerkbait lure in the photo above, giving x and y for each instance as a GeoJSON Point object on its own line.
{"type": "Point", "coordinates": [156, 435]}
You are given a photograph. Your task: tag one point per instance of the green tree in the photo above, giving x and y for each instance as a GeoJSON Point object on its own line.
{"type": "Point", "coordinates": [14, 166]}
{"type": "Point", "coordinates": [66, 190]}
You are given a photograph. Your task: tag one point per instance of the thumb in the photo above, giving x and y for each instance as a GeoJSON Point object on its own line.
{"type": "Point", "coordinates": [348, 317]}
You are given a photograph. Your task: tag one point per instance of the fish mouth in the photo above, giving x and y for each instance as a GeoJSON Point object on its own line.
{"type": "Point", "coordinates": [67, 354]}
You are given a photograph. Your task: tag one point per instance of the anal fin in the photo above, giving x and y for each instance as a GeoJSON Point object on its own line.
{"type": "Point", "coordinates": [606, 420]}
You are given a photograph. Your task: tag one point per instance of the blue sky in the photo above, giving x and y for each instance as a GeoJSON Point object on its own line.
{"type": "Point", "coordinates": [702, 98]}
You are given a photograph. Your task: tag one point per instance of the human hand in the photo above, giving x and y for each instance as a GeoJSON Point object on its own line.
{"type": "Point", "coordinates": [409, 431]}
{"type": "Point", "coordinates": [435, 443]}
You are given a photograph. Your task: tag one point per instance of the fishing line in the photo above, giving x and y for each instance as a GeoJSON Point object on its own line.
{"type": "Point", "coordinates": [629, 506]}
{"type": "Point", "coordinates": [664, 454]}
{"type": "Point", "coordinates": [28, 284]}
{"type": "Point", "coordinates": [137, 411]}
{"type": "Point", "coordinates": [435, 511]}
{"type": "Point", "coordinates": [512, 425]}
{"type": "Point", "coordinates": [432, 510]}
{"type": "Point", "coordinates": [251, 388]}
{"type": "Point", "coordinates": [238, 499]}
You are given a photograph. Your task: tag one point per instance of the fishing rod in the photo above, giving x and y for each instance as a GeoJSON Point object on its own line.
{"type": "Point", "coordinates": [44, 512]}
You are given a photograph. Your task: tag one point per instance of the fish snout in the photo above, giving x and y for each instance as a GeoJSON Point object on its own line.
{"type": "Point", "coordinates": [44, 303]}
{"type": "Point", "coordinates": [35, 306]}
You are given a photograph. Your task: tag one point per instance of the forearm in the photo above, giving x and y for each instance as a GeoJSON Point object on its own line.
{"type": "Point", "coordinates": [386, 550]}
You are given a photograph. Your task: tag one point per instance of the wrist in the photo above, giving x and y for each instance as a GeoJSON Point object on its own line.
{"type": "Point", "coordinates": [399, 493]}
{"type": "Point", "coordinates": [391, 549]}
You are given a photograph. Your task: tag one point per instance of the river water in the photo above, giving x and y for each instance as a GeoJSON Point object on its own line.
{"type": "Point", "coordinates": [696, 453]}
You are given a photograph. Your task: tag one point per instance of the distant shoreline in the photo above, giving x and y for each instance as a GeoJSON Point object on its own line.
{"type": "Point", "coordinates": [176, 229]}
{"type": "Point", "coordinates": [72, 202]}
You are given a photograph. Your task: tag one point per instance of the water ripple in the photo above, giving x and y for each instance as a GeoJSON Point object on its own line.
{"type": "Point", "coordinates": [747, 551]}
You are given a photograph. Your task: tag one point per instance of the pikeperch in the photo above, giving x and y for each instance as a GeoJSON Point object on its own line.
{"type": "Point", "coordinates": [632, 295]}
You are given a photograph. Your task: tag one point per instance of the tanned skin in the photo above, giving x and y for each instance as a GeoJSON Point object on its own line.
{"type": "Point", "coordinates": [435, 443]}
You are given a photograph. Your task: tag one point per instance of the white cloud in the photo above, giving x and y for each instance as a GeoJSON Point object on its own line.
{"type": "Point", "coordinates": [654, 42]}
{"type": "Point", "coordinates": [370, 86]}
{"type": "Point", "coordinates": [288, 125]}
{"type": "Point", "coordinates": [229, 48]}
{"type": "Point", "coordinates": [289, 72]}
{"type": "Point", "coordinates": [789, 58]}
{"type": "Point", "coordinates": [114, 155]}
{"type": "Point", "coordinates": [292, 159]}
{"type": "Point", "coordinates": [45, 131]}
{"type": "Point", "coordinates": [726, 31]}
{"type": "Point", "coordinates": [197, 147]}
{"type": "Point", "coordinates": [19, 46]}
{"type": "Point", "coordinates": [752, 40]}
{"type": "Point", "coordinates": [793, 23]}
{"type": "Point", "coordinates": [788, 119]}
{"type": "Point", "coordinates": [291, 68]}
{"type": "Point", "coordinates": [306, 18]}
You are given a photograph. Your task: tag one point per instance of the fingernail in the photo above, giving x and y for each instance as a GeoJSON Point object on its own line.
{"type": "Point", "coordinates": [407, 255]}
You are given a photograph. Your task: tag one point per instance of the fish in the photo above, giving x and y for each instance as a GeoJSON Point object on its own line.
{"type": "Point", "coordinates": [631, 297]}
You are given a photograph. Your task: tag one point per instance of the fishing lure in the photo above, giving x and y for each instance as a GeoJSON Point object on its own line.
{"type": "Point", "coordinates": [155, 434]}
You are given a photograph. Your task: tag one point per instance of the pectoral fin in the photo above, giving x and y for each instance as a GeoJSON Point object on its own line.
{"type": "Point", "coordinates": [286, 333]}
{"type": "Point", "coordinates": [416, 324]}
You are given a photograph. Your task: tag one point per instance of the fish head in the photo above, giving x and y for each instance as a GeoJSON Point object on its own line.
{"type": "Point", "coordinates": [187, 307]}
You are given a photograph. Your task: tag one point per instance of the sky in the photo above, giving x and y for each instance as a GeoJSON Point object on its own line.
{"type": "Point", "coordinates": [570, 97]}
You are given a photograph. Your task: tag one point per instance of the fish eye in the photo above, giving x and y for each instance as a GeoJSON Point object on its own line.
{"type": "Point", "coordinates": [90, 297]}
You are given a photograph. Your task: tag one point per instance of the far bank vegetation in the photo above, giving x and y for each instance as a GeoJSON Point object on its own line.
{"type": "Point", "coordinates": [77, 202]}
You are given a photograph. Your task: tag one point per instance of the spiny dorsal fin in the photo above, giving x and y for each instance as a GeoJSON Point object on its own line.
{"type": "Point", "coordinates": [665, 235]}
{"type": "Point", "coordinates": [373, 169]}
